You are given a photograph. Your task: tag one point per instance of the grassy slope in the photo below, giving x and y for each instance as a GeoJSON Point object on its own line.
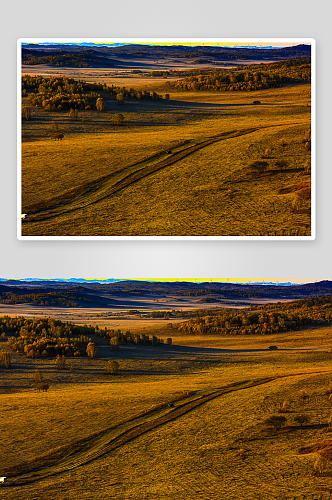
{"type": "Point", "coordinates": [188, 197]}
{"type": "Point", "coordinates": [196, 455]}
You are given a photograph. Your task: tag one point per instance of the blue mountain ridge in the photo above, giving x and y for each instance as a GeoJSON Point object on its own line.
{"type": "Point", "coordinates": [113, 280]}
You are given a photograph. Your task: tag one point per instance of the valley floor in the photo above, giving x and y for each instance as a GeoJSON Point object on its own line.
{"type": "Point", "coordinates": [183, 167]}
{"type": "Point", "coordinates": [220, 448]}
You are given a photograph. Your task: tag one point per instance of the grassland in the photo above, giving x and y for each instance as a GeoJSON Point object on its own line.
{"type": "Point", "coordinates": [211, 190]}
{"type": "Point", "coordinates": [219, 448]}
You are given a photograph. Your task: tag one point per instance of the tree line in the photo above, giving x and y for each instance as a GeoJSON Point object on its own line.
{"type": "Point", "coordinates": [233, 293]}
{"type": "Point", "coordinates": [254, 77]}
{"type": "Point", "coordinates": [263, 320]}
{"type": "Point", "coordinates": [62, 299]}
{"type": "Point", "coordinates": [75, 60]}
{"type": "Point", "coordinates": [175, 313]}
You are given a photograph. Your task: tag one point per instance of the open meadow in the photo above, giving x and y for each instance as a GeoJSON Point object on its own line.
{"type": "Point", "coordinates": [198, 163]}
{"type": "Point", "coordinates": [181, 421]}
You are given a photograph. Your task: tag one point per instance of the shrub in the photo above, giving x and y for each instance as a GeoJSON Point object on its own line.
{"type": "Point", "coordinates": [296, 204]}
{"type": "Point", "coordinates": [301, 419]}
{"type": "Point", "coordinates": [117, 119]}
{"type": "Point", "coordinates": [5, 359]}
{"type": "Point", "coordinates": [276, 421]}
{"type": "Point", "coordinates": [285, 407]}
{"type": "Point", "coordinates": [112, 367]}
{"type": "Point", "coordinates": [307, 166]}
{"type": "Point", "coordinates": [303, 395]}
{"type": "Point", "coordinates": [54, 127]}
{"type": "Point", "coordinates": [259, 165]}
{"type": "Point", "coordinates": [60, 362]}
{"type": "Point", "coordinates": [38, 376]}
{"type": "Point", "coordinates": [120, 98]}
{"type": "Point", "coordinates": [281, 164]}
{"type": "Point", "coordinates": [329, 421]}
{"type": "Point", "coordinates": [73, 114]}
{"type": "Point", "coordinates": [320, 465]}
{"type": "Point", "coordinates": [169, 341]}
{"type": "Point", "coordinates": [26, 112]}
{"type": "Point", "coordinates": [114, 343]}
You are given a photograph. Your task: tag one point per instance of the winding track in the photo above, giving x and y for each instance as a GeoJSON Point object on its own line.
{"type": "Point", "coordinates": [110, 439]}
{"type": "Point", "coordinates": [131, 174]}
{"type": "Point", "coordinates": [89, 449]}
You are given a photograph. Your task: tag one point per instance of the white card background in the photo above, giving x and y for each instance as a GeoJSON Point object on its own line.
{"type": "Point", "coordinates": [144, 259]}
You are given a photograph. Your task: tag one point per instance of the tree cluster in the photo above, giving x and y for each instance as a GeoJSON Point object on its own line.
{"type": "Point", "coordinates": [45, 337]}
{"type": "Point", "coordinates": [61, 93]}
{"type": "Point", "coordinates": [41, 337]}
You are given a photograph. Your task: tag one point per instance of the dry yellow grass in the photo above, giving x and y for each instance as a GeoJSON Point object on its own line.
{"type": "Point", "coordinates": [209, 192]}
{"type": "Point", "coordinates": [218, 450]}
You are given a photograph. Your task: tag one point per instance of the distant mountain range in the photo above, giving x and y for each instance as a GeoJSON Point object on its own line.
{"type": "Point", "coordinates": [32, 281]}
{"type": "Point", "coordinates": [113, 292]}
{"type": "Point", "coordinates": [37, 281]}
{"type": "Point", "coordinates": [154, 287]}
{"type": "Point", "coordinates": [100, 55]}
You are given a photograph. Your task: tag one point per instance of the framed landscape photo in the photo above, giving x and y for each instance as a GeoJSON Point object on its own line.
{"type": "Point", "coordinates": [181, 389]}
{"type": "Point", "coordinates": [166, 139]}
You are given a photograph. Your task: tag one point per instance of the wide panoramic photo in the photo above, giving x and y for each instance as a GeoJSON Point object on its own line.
{"type": "Point", "coordinates": [140, 389]}
{"type": "Point", "coordinates": [158, 138]}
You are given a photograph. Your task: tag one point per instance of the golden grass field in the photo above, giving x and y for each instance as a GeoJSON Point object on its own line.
{"type": "Point", "coordinates": [107, 180]}
{"type": "Point", "coordinates": [216, 448]}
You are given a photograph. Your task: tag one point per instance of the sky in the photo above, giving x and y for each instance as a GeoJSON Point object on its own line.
{"type": "Point", "coordinates": [265, 281]}
{"type": "Point", "coordinates": [184, 42]}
